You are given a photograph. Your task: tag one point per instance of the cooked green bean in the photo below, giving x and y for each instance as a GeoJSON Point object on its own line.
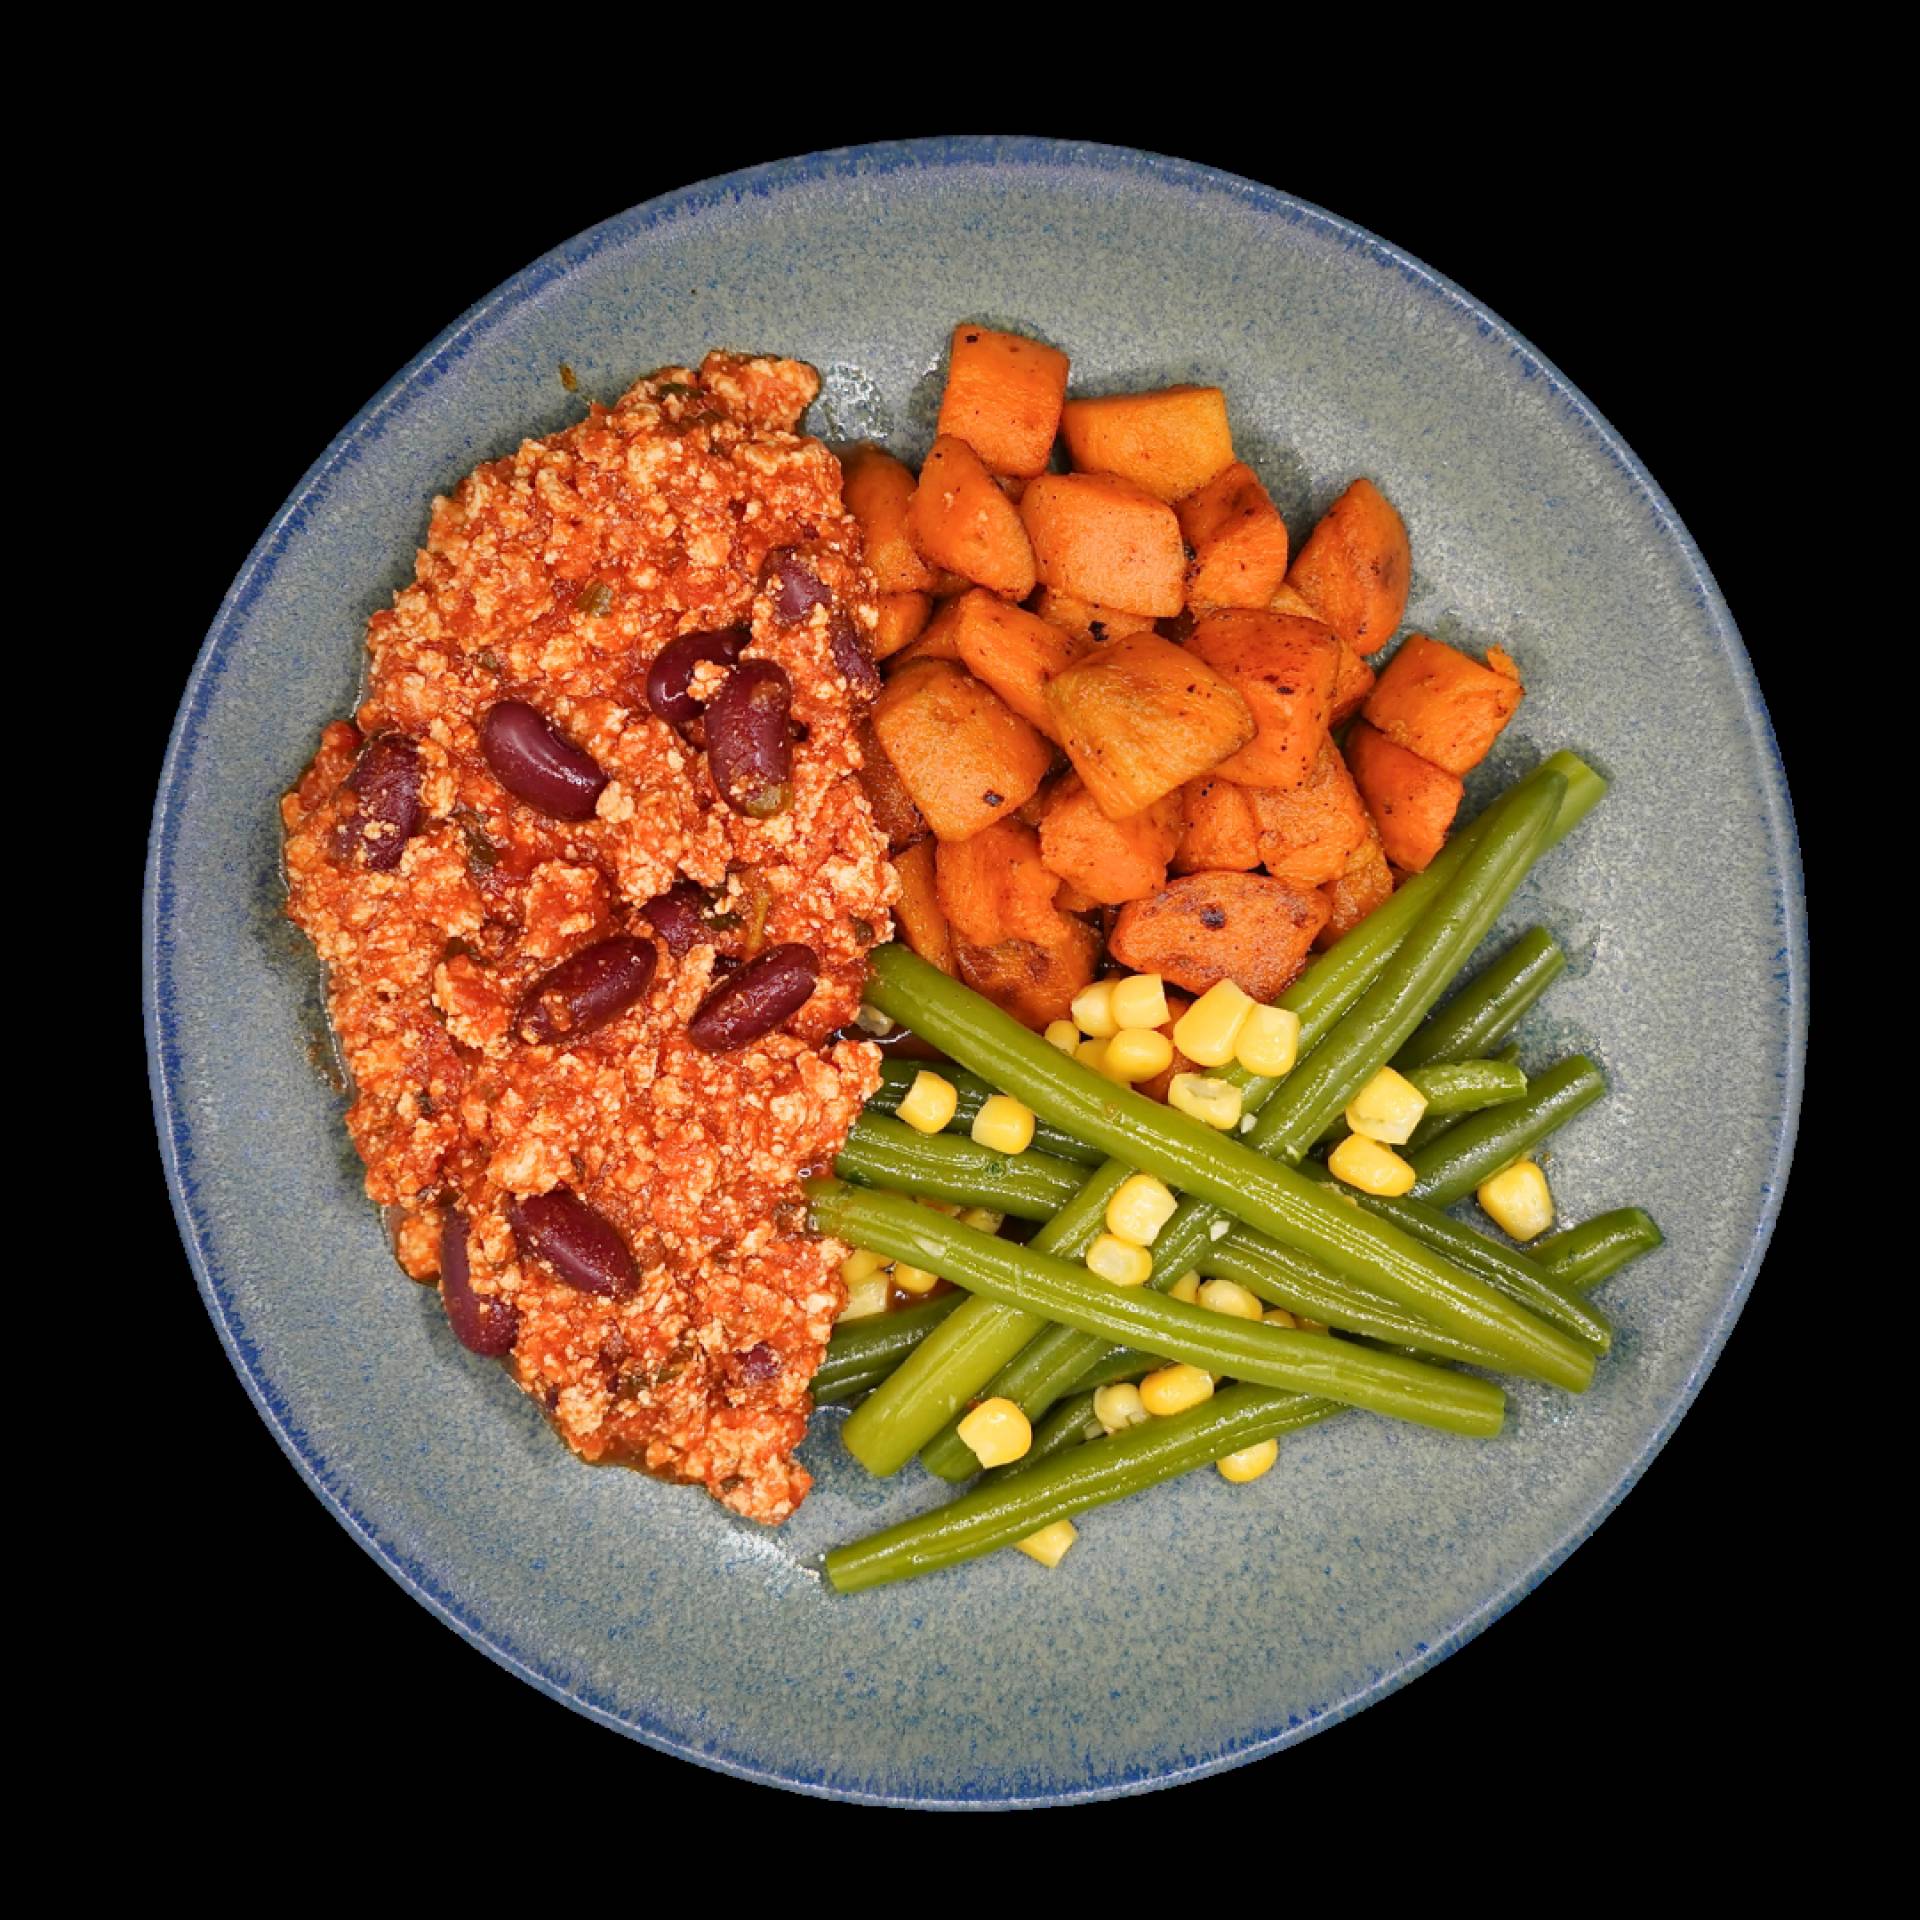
{"type": "Point", "coordinates": [1453, 1089]}
{"type": "Point", "coordinates": [880, 1152]}
{"type": "Point", "coordinates": [1219, 1343]}
{"type": "Point", "coordinates": [1479, 1017]}
{"type": "Point", "coordinates": [868, 1349]}
{"type": "Point", "coordinates": [1071, 1424]}
{"type": "Point", "coordinates": [1581, 1257]}
{"type": "Point", "coordinates": [1000, 1512]}
{"type": "Point", "coordinates": [1452, 1166]}
{"type": "Point", "coordinates": [897, 1078]}
{"type": "Point", "coordinates": [1433, 1125]}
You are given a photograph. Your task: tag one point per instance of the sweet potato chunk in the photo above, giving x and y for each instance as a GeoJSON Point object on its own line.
{"type": "Point", "coordinates": [903, 618]}
{"type": "Point", "coordinates": [1209, 927]}
{"type": "Point", "coordinates": [1238, 539]}
{"type": "Point", "coordinates": [1307, 834]}
{"type": "Point", "coordinates": [964, 755]}
{"type": "Point", "coordinates": [960, 521]}
{"type": "Point", "coordinates": [1013, 652]}
{"type": "Point", "coordinates": [1170, 441]}
{"type": "Point", "coordinates": [892, 805]}
{"type": "Point", "coordinates": [1284, 668]}
{"type": "Point", "coordinates": [1034, 983]}
{"type": "Point", "coordinates": [877, 490]}
{"type": "Point", "coordinates": [1140, 716]}
{"type": "Point", "coordinates": [992, 887]}
{"type": "Point", "coordinates": [939, 639]}
{"type": "Point", "coordinates": [1351, 685]}
{"type": "Point", "coordinates": [1443, 704]}
{"type": "Point", "coordinates": [1003, 397]}
{"type": "Point", "coordinates": [1366, 884]}
{"type": "Point", "coordinates": [1106, 540]}
{"type": "Point", "coordinates": [1107, 861]}
{"type": "Point", "coordinates": [1411, 800]}
{"type": "Point", "coordinates": [923, 926]}
{"type": "Point", "coordinates": [1084, 616]}
{"type": "Point", "coordinates": [1356, 567]}
{"type": "Point", "coordinates": [1289, 599]}
{"type": "Point", "coordinates": [1221, 834]}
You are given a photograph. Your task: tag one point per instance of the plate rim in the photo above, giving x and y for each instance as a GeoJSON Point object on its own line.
{"type": "Point", "coordinates": [867, 161]}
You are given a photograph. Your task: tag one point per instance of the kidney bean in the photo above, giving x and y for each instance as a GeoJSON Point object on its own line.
{"type": "Point", "coordinates": [749, 742]}
{"type": "Point", "coordinates": [585, 991]}
{"type": "Point", "coordinates": [758, 1364]}
{"type": "Point", "coordinates": [537, 763]}
{"type": "Point", "coordinates": [487, 1327]}
{"type": "Point", "coordinates": [678, 916]}
{"type": "Point", "coordinates": [580, 1244]}
{"type": "Point", "coordinates": [754, 1001]}
{"type": "Point", "coordinates": [796, 591]}
{"type": "Point", "coordinates": [386, 779]}
{"type": "Point", "coordinates": [851, 656]}
{"type": "Point", "coordinates": [670, 678]}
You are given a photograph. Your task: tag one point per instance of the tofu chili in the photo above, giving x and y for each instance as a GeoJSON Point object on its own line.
{"type": "Point", "coordinates": [595, 893]}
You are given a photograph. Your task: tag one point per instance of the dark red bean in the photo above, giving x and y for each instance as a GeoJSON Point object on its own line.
{"type": "Point", "coordinates": [537, 763]}
{"type": "Point", "coordinates": [758, 1364]}
{"type": "Point", "coordinates": [386, 780]}
{"type": "Point", "coordinates": [487, 1327]}
{"type": "Point", "coordinates": [585, 991]}
{"type": "Point", "coordinates": [750, 739]}
{"type": "Point", "coordinates": [580, 1244]}
{"type": "Point", "coordinates": [851, 656]}
{"type": "Point", "coordinates": [670, 678]}
{"type": "Point", "coordinates": [754, 1001]}
{"type": "Point", "coordinates": [796, 591]}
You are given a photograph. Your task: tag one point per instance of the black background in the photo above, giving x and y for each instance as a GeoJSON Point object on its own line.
{"type": "Point", "coordinates": [1646, 1665]}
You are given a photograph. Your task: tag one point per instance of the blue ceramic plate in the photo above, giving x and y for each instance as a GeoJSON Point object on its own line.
{"type": "Point", "coordinates": [1378, 1548]}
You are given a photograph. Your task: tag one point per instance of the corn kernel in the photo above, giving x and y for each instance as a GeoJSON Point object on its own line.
{"type": "Point", "coordinates": [1093, 1010]}
{"type": "Point", "coordinates": [1279, 1317]}
{"type": "Point", "coordinates": [1140, 1208]}
{"type": "Point", "coordinates": [1199, 1095]}
{"type": "Point", "coordinates": [1269, 1042]}
{"type": "Point", "coordinates": [1119, 1261]}
{"type": "Point", "coordinates": [913, 1279]}
{"type": "Point", "coordinates": [1119, 1406]}
{"type": "Point", "coordinates": [859, 1263]}
{"type": "Point", "coordinates": [1518, 1200]}
{"type": "Point", "coordinates": [1063, 1034]}
{"type": "Point", "coordinates": [1140, 1000]}
{"type": "Point", "coordinates": [1174, 1389]}
{"type": "Point", "coordinates": [1003, 1124]}
{"type": "Point", "coordinates": [1186, 1288]}
{"type": "Point", "coordinates": [1091, 1053]}
{"type": "Point", "coordinates": [951, 1208]}
{"type": "Point", "coordinates": [1049, 1546]}
{"type": "Point", "coordinates": [929, 1103]}
{"type": "Point", "coordinates": [982, 1219]}
{"type": "Point", "coordinates": [1207, 1031]}
{"type": "Point", "coordinates": [1138, 1053]}
{"type": "Point", "coordinates": [872, 1293]}
{"type": "Point", "coordinates": [1387, 1108]}
{"type": "Point", "coordinates": [997, 1431]}
{"type": "Point", "coordinates": [1228, 1296]}
{"type": "Point", "coordinates": [1249, 1463]}
{"type": "Point", "coordinates": [1366, 1164]}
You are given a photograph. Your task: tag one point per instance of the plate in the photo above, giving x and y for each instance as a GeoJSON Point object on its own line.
{"type": "Point", "coordinates": [1378, 1549]}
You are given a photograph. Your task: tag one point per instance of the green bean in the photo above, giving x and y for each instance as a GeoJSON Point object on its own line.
{"type": "Point", "coordinates": [1581, 1257]}
{"type": "Point", "coordinates": [1453, 1089]}
{"type": "Point", "coordinates": [1249, 1350]}
{"type": "Point", "coordinates": [1480, 1016]}
{"type": "Point", "coordinates": [1070, 1424]}
{"type": "Point", "coordinates": [897, 1078]}
{"type": "Point", "coordinates": [1001, 1512]}
{"type": "Point", "coordinates": [943, 1166]}
{"type": "Point", "coordinates": [868, 1349]}
{"type": "Point", "coordinates": [1433, 1125]}
{"type": "Point", "coordinates": [1450, 1168]}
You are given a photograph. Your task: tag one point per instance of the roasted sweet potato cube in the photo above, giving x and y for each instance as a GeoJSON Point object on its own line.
{"type": "Point", "coordinates": [1307, 834]}
{"type": "Point", "coordinates": [1014, 652]}
{"type": "Point", "coordinates": [1034, 983]}
{"type": "Point", "coordinates": [960, 521]}
{"type": "Point", "coordinates": [1284, 668]}
{"type": "Point", "coordinates": [1289, 599]}
{"type": "Point", "coordinates": [1220, 834]}
{"type": "Point", "coordinates": [1356, 568]}
{"type": "Point", "coordinates": [1140, 716]}
{"type": "Point", "coordinates": [1366, 884]}
{"type": "Point", "coordinates": [1442, 704]}
{"type": "Point", "coordinates": [922, 924]}
{"type": "Point", "coordinates": [1411, 800]}
{"type": "Point", "coordinates": [1107, 861]}
{"type": "Point", "coordinates": [939, 639]}
{"type": "Point", "coordinates": [993, 887]}
{"type": "Point", "coordinates": [1208, 927]}
{"type": "Point", "coordinates": [1351, 685]}
{"type": "Point", "coordinates": [877, 490]}
{"type": "Point", "coordinates": [1003, 397]}
{"type": "Point", "coordinates": [903, 618]}
{"type": "Point", "coordinates": [1170, 441]}
{"type": "Point", "coordinates": [963, 754]}
{"type": "Point", "coordinates": [1106, 540]}
{"type": "Point", "coordinates": [1086, 617]}
{"type": "Point", "coordinates": [891, 804]}
{"type": "Point", "coordinates": [1238, 539]}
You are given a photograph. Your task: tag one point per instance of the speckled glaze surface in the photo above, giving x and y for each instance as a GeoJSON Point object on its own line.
{"type": "Point", "coordinates": [1377, 1549]}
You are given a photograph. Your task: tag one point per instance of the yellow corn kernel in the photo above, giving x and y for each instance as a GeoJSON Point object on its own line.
{"type": "Point", "coordinates": [1120, 1261]}
{"type": "Point", "coordinates": [1387, 1108]}
{"type": "Point", "coordinates": [997, 1431]}
{"type": "Point", "coordinates": [1003, 1124]}
{"type": "Point", "coordinates": [1137, 1053]}
{"type": "Point", "coordinates": [1049, 1546]}
{"type": "Point", "coordinates": [1186, 1288]}
{"type": "Point", "coordinates": [1093, 1010]}
{"type": "Point", "coordinates": [984, 1219]}
{"type": "Point", "coordinates": [1140, 1000]}
{"type": "Point", "coordinates": [872, 1293]}
{"type": "Point", "coordinates": [951, 1208]}
{"type": "Point", "coordinates": [1229, 1296]}
{"type": "Point", "coordinates": [1209, 1029]}
{"type": "Point", "coordinates": [1366, 1164]}
{"type": "Point", "coordinates": [913, 1279]}
{"type": "Point", "coordinates": [859, 1263]}
{"type": "Point", "coordinates": [929, 1103]}
{"type": "Point", "coordinates": [1091, 1053]}
{"type": "Point", "coordinates": [1119, 1406]}
{"type": "Point", "coordinates": [1140, 1208]}
{"type": "Point", "coordinates": [1279, 1317]}
{"type": "Point", "coordinates": [1063, 1034]}
{"type": "Point", "coordinates": [1269, 1042]}
{"type": "Point", "coordinates": [1205, 1098]}
{"type": "Point", "coordinates": [1249, 1463]}
{"type": "Point", "coordinates": [1174, 1389]}
{"type": "Point", "coordinates": [1518, 1200]}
